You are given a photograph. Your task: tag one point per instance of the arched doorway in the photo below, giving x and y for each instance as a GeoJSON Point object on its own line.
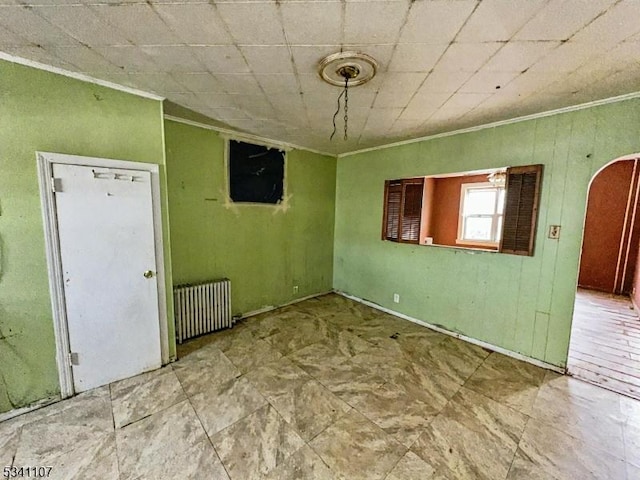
{"type": "Point", "coordinates": [605, 333]}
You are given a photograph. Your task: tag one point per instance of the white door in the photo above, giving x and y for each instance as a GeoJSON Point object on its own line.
{"type": "Point", "coordinates": [105, 228]}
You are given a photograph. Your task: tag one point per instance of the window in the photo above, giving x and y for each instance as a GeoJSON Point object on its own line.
{"type": "Point", "coordinates": [481, 210]}
{"type": "Point", "coordinates": [484, 215]}
{"type": "Point", "coordinates": [256, 173]}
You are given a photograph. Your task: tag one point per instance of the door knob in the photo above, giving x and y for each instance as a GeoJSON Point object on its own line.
{"type": "Point", "coordinates": [148, 274]}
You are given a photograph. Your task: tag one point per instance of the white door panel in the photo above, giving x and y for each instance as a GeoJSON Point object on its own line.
{"type": "Point", "coordinates": [106, 233]}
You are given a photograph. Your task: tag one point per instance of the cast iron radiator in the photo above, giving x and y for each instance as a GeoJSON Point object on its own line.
{"type": "Point", "coordinates": [202, 308]}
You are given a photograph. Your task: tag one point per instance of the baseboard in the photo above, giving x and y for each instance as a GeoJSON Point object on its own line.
{"type": "Point", "coordinates": [269, 308]}
{"type": "Point", "coordinates": [34, 406]}
{"type": "Point", "coordinates": [480, 343]}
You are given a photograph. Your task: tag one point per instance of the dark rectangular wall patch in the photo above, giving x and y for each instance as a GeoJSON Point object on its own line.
{"type": "Point", "coordinates": [256, 173]}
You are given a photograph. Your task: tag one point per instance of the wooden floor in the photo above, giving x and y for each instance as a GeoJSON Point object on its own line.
{"type": "Point", "coordinates": [605, 342]}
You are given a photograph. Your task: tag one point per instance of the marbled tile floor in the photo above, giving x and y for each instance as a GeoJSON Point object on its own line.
{"type": "Point", "coordinates": [330, 389]}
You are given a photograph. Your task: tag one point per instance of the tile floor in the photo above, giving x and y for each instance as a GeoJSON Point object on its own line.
{"type": "Point", "coordinates": [330, 389]}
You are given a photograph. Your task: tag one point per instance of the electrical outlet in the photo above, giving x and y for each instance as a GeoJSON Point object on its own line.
{"type": "Point", "coordinates": [554, 232]}
{"type": "Point", "coordinates": [295, 289]}
{"type": "Point", "coordinates": [396, 298]}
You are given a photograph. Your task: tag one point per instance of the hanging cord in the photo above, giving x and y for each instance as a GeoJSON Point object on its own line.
{"type": "Point", "coordinates": [335, 115]}
{"type": "Point", "coordinates": [346, 105]}
{"type": "Point", "coordinates": [344, 93]}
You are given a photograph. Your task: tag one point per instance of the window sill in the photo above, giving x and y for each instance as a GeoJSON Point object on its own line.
{"type": "Point", "coordinates": [470, 249]}
{"type": "Point", "coordinates": [477, 244]}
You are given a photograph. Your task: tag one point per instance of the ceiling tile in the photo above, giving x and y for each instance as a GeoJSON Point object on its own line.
{"type": "Point", "coordinates": [228, 113]}
{"type": "Point", "coordinates": [198, 82]}
{"type": "Point", "coordinates": [560, 19]}
{"type": "Point", "coordinates": [253, 23]}
{"type": "Point", "coordinates": [402, 128]}
{"type": "Point", "coordinates": [382, 117]}
{"type": "Point", "coordinates": [312, 23]}
{"type": "Point", "coordinates": [436, 22]}
{"type": "Point", "coordinates": [618, 23]}
{"type": "Point", "coordinates": [567, 57]}
{"type": "Point", "coordinates": [529, 82]}
{"type": "Point", "coordinates": [312, 84]}
{"type": "Point", "coordinates": [486, 81]}
{"type": "Point", "coordinates": [239, 83]}
{"type": "Point", "coordinates": [161, 82]}
{"type": "Point", "coordinates": [268, 59]}
{"type": "Point", "coordinates": [328, 103]}
{"type": "Point", "coordinates": [7, 37]}
{"type": "Point", "coordinates": [444, 81]}
{"type": "Point", "coordinates": [422, 106]}
{"type": "Point", "coordinates": [130, 58]}
{"type": "Point", "coordinates": [359, 98]}
{"type": "Point", "coordinates": [221, 58]}
{"type": "Point", "coordinates": [575, 81]}
{"type": "Point", "coordinates": [278, 83]}
{"type": "Point", "coordinates": [518, 56]}
{"type": "Point", "coordinates": [307, 58]}
{"type": "Point", "coordinates": [82, 23]}
{"type": "Point", "coordinates": [174, 58]}
{"type": "Point", "coordinates": [621, 82]}
{"type": "Point", "coordinates": [415, 57]}
{"type": "Point", "coordinates": [260, 111]}
{"type": "Point", "coordinates": [461, 103]}
{"type": "Point", "coordinates": [38, 54]}
{"type": "Point", "coordinates": [84, 59]}
{"type": "Point", "coordinates": [381, 53]}
{"type": "Point", "coordinates": [195, 23]}
{"type": "Point", "coordinates": [139, 23]}
{"type": "Point", "coordinates": [623, 54]}
{"type": "Point", "coordinates": [26, 23]}
{"type": "Point", "coordinates": [249, 102]}
{"type": "Point", "coordinates": [397, 89]}
{"type": "Point", "coordinates": [373, 22]}
{"type": "Point", "coordinates": [467, 57]}
{"type": "Point", "coordinates": [498, 20]}
{"type": "Point", "coordinates": [218, 100]}
{"type": "Point", "coordinates": [69, 2]}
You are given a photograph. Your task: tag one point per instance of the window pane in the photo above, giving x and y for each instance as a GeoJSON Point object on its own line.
{"type": "Point", "coordinates": [477, 228]}
{"type": "Point", "coordinates": [480, 202]}
{"type": "Point", "coordinates": [501, 201]}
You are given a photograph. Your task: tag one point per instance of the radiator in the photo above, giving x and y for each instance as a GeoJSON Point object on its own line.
{"type": "Point", "coordinates": [202, 308]}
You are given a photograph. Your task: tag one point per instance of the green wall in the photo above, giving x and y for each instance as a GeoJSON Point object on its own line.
{"type": "Point", "coordinates": [48, 112]}
{"type": "Point", "coordinates": [264, 250]}
{"type": "Point", "coordinates": [523, 304]}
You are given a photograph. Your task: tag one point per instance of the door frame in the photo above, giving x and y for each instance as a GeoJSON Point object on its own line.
{"type": "Point", "coordinates": [45, 161]}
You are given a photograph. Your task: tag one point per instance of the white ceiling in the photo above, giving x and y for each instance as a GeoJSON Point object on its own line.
{"type": "Point", "coordinates": [253, 64]}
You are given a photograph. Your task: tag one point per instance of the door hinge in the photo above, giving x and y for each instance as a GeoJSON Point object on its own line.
{"type": "Point", "coordinates": [73, 359]}
{"type": "Point", "coordinates": [56, 185]}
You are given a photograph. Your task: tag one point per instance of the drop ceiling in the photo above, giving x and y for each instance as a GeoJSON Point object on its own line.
{"type": "Point", "coordinates": [443, 64]}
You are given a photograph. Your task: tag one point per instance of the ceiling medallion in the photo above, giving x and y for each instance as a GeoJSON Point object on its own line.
{"type": "Point", "coordinates": [362, 67]}
{"type": "Point", "coordinates": [346, 69]}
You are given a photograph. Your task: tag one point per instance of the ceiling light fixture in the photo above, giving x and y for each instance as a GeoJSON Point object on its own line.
{"type": "Point", "coordinates": [346, 69]}
{"type": "Point", "coordinates": [498, 179]}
